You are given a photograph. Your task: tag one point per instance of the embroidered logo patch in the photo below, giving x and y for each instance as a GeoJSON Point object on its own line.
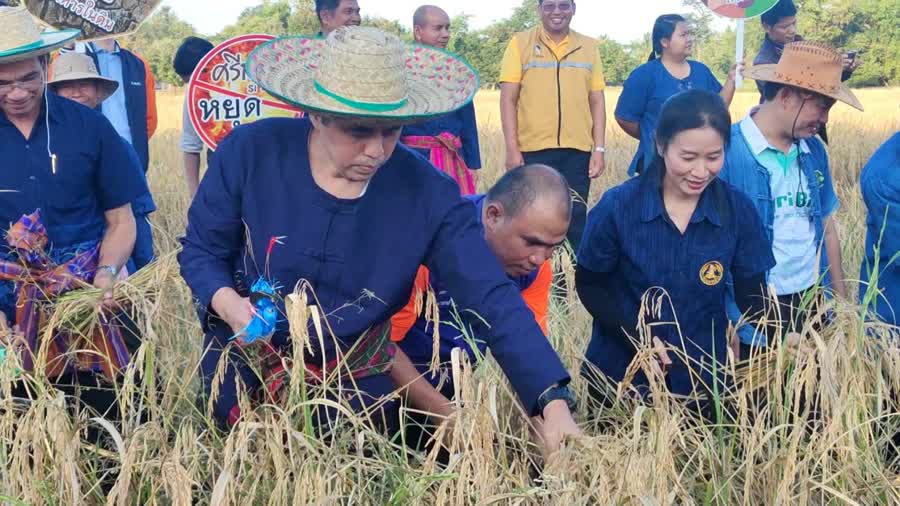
{"type": "Point", "coordinates": [820, 177]}
{"type": "Point", "coordinates": [711, 273]}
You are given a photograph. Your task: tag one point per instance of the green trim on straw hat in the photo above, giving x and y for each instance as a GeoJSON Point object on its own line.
{"type": "Point", "coordinates": [363, 106]}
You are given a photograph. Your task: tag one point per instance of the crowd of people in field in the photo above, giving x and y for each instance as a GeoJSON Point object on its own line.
{"type": "Point", "coordinates": [368, 204]}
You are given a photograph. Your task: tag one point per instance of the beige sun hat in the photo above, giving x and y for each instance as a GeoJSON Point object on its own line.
{"type": "Point", "coordinates": [21, 37]}
{"type": "Point", "coordinates": [363, 72]}
{"type": "Point", "coordinates": [74, 66]}
{"type": "Point", "coordinates": [809, 65]}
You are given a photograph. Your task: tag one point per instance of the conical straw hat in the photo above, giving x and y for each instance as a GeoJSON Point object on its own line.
{"type": "Point", "coordinates": [363, 72]}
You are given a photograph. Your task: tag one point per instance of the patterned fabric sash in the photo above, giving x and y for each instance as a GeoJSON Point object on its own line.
{"type": "Point", "coordinates": [444, 154]}
{"type": "Point", "coordinates": [373, 354]}
{"type": "Point", "coordinates": [38, 279]}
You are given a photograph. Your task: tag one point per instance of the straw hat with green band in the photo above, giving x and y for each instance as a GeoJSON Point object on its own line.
{"type": "Point", "coordinates": [21, 38]}
{"type": "Point", "coordinates": [363, 72]}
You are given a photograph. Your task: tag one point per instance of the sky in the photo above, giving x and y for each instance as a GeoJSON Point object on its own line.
{"type": "Point", "coordinates": [593, 17]}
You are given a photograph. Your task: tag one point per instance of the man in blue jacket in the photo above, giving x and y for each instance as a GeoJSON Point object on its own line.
{"type": "Point", "coordinates": [775, 158]}
{"type": "Point", "coordinates": [880, 183]}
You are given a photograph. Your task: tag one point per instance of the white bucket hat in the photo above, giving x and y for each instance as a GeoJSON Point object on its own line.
{"type": "Point", "coordinates": [363, 72]}
{"type": "Point", "coordinates": [21, 37]}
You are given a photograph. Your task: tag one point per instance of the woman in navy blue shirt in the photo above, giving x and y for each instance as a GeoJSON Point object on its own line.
{"type": "Point", "coordinates": [667, 72]}
{"type": "Point", "coordinates": [672, 236]}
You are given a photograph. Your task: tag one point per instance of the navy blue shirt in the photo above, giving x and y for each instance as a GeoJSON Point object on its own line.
{"type": "Point", "coordinates": [94, 172]}
{"type": "Point", "coordinates": [460, 123]}
{"type": "Point", "coordinates": [360, 255]}
{"type": "Point", "coordinates": [643, 95]}
{"type": "Point", "coordinates": [630, 235]}
{"type": "Point", "coordinates": [458, 329]}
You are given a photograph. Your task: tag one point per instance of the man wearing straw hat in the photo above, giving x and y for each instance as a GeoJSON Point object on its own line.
{"type": "Point", "coordinates": [334, 209]}
{"type": "Point", "coordinates": [775, 158]}
{"type": "Point", "coordinates": [451, 141]}
{"type": "Point", "coordinates": [75, 77]}
{"type": "Point", "coordinates": [67, 189]}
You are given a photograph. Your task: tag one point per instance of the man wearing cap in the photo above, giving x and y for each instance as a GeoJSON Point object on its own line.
{"type": "Point", "coordinates": [67, 195]}
{"type": "Point", "coordinates": [334, 14]}
{"type": "Point", "coordinates": [451, 141]}
{"type": "Point", "coordinates": [775, 158]}
{"type": "Point", "coordinates": [880, 182]}
{"type": "Point", "coordinates": [524, 217]}
{"type": "Point", "coordinates": [186, 59]}
{"type": "Point", "coordinates": [75, 77]}
{"type": "Point", "coordinates": [552, 103]}
{"type": "Point", "coordinates": [313, 205]}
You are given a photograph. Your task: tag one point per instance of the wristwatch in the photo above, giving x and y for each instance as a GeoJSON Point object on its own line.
{"type": "Point", "coordinates": [112, 269]}
{"type": "Point", "coordinates": [600, 149]}
{"type": "Point", "coordinates": [557, 393]}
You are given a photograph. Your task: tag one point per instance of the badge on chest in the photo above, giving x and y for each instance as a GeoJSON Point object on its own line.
{"type": "Point", "coordinates": [711, 273]}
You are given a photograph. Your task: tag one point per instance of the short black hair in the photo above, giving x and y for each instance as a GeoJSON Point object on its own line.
{"type": "Point", "coordinates": [326, 5]}
{"type": "Point", "coordinates": [520, 188]}
{"type": "Point", "coordinates": [189, 54]}
{"type": "Point", "coordinates": [541, 2]}
{"type": "Point", "coordinates": [783, 9]}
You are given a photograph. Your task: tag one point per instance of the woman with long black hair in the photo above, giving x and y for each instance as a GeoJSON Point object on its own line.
{"type": "Point", "coordinates": [668, 71]}
{"type": "Point", "coordinates": [675, 232]}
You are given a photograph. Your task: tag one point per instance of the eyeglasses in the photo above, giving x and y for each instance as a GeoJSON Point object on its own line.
{"type": "Point", "coordinates": [549, 7]}
{"type": "Point", "coordinates": [31, 82]}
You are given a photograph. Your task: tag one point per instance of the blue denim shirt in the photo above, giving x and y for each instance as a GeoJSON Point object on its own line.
{"type": "Point", "coordinates": [744, 172]}
{"type": "Point", "coordinates": [880, 181]}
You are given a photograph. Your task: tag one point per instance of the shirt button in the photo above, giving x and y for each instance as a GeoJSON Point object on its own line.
{"type": "Point", "coordinates": [32, 178]}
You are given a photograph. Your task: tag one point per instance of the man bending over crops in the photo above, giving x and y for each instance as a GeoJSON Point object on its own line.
{"type": "Point", "coordinates": [67, 193]}
{"type": "Point", "coordinates": [524, 218]}
{"type": "Point", "coordinates": [775, 158]}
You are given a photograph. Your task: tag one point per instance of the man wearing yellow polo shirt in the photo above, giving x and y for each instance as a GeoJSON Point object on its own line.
{"type": "Point", "coordinates": [552, 104]}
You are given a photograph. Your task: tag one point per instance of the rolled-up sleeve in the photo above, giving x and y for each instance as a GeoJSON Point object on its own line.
{"type": "Point", "coordinates": [214, 230]}
{"type": "Point", "coordinates": [461, 257]}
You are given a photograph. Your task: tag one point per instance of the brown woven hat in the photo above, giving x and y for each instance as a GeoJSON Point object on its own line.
{"type": "Point", "coordinates": [811, 66]}
{"type": "Point", "coordinates": [74, 66]}
{"type": "Point", "coordinates": [21, 37]}
{"type": "Point", "coordinates": [363, 72]}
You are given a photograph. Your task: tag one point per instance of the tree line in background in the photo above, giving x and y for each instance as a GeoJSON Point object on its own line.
{"type": "Point", "coordinates": [867, 26]}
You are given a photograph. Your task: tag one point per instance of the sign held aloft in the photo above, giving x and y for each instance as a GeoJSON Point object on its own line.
{"type": "Point", "coordinates": [740, 10]}
{"type": "Point", "coordinates": [97, 19]}
{"type": "Point", "coordinates": [221, 95]}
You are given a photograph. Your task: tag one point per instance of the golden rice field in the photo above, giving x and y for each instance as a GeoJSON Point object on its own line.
{"type": "Point", "coordinates": [631, 454]}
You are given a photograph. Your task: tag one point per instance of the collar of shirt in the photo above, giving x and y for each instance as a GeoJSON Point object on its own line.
{"type": "Point", "coordinates": [758, 142]}
{"type": "Point", "coordinates": [93, 48]}
{"type": "Point", "coordinates": [558, 48]}
{"type": "Point", "coordinates": [652, 206]}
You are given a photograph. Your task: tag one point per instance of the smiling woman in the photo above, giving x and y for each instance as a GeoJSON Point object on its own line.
{"type": "Point", "coordinates": [706, 229]}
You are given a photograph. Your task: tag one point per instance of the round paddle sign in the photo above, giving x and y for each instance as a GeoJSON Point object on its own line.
{"type": "Point", "coordinates": [740, 9]}
{"type": "Point", "coordinates": [97, 19]}
{"type": "Point", "coordinates": [222, 96]}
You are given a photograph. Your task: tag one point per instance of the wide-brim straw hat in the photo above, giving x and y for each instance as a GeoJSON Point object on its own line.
{"type": "Point", "coordinates": [74, 66]}
{"type": "Point", "coordinates": [363, 72]}
{"type": "Point", "coordinates": [811, 66]}
{"type": "Point", "coordinates": [21, 38]}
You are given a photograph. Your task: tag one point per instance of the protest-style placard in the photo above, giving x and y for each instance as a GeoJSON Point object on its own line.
{"type": "Point", "coordinates": [221, 95]}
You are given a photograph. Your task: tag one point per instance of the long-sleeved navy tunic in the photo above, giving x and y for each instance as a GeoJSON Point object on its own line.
{"type": "Point", "coordinates": [410, 215]}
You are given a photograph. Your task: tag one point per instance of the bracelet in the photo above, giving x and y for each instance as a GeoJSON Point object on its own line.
{"type": "Point", "coordinates": [109, 268]}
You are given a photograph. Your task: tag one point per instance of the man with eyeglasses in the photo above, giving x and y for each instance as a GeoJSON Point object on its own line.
{"type": "Point", "coordinates": [552, 103]}
{"type": "Point", "coordinates": [67, 183]}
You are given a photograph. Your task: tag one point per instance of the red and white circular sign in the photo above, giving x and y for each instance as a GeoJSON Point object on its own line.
{"type": "Point", "coordinates": [221, 95]}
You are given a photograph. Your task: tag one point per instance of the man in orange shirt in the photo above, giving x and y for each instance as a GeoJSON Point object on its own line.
{"type": "Point", "coordinates": [525, 217]}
